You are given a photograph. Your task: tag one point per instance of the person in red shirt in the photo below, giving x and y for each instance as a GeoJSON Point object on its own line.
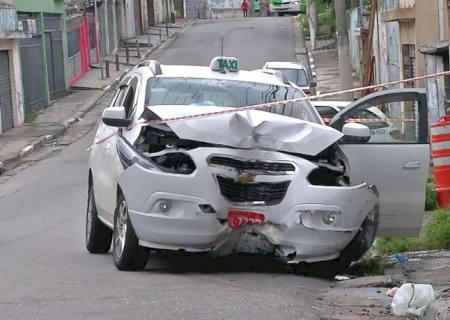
{"type": "Point", "coordinates": [245, 7]}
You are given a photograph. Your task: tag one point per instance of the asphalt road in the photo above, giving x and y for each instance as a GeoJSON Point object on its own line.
{"type": "Point", "coordinates": [46, 272]}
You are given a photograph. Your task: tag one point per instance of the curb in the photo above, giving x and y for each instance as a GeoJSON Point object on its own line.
{"type": "Point", "coordinates": [39, 142]}
{"type": "Point", "coordinates": [33, 146]}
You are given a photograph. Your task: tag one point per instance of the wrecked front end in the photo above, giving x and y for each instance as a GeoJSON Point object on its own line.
{"type": "Point", "coordinates": [198, 196]}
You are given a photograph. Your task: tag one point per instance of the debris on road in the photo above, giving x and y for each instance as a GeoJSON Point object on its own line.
{"type": "Point", "coordinates": [391, 292]}
{"type": "Point", "coordinates": [365, 282]}
{"type": "Point", "coordinates": [412, 299]}
{"type": "Point", "coordinates": [341, 278]}
{"type": "Point", "coordinates": [400, 258]}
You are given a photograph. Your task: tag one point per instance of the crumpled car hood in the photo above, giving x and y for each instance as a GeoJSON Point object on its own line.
{"type": "Point", "coordinates": [252, 129]}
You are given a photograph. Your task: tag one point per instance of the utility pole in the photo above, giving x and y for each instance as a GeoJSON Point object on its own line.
{"type": "Point", "coordinates": [97, 37]}
{"type": "Point", "coordinates": [345, 63]}
{"type": "Point", "coordinates": [312, 19]}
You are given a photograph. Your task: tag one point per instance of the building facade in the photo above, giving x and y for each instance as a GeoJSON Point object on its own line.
{"type": "Point", "coordinates": [11, 89]}
{"type": "Point", "coordinates": [402, 28]}
{"type": "Point", "coordinates": [42, 54]}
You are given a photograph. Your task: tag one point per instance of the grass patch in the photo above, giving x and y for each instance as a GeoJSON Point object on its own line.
{"type": "Point", "coordinates": [31, 116]}
{"type": "Point", "coordinates": [368, 265]}
{"type": "Point", "coordinates": [435, 235]}
{"type": "Point", "coordinates": [326, 19]}
{"type": "Point", "coordinates": [431, 202]}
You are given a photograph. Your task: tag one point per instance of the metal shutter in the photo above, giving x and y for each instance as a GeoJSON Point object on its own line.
{"type": "Point", "coordinates": [118, 24]}
{"type": "Point", "coordinates": [111, 27]}
{"type": "Point", "coordinates": [6, 107]}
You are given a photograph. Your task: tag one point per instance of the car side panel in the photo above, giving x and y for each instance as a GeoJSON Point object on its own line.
{"type": "Point", "coordinates": [106, 167]}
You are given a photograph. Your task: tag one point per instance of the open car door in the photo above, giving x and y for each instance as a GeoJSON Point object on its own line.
{"type": "Point", "coordinates": [396, 158]}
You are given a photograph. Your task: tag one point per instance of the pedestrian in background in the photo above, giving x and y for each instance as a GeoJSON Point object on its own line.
{"type": "Point", "coordinates": [245, 6]}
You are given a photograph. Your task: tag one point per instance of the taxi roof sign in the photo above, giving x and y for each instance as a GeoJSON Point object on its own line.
{"type": "Point", "coordinates": [225, 64]}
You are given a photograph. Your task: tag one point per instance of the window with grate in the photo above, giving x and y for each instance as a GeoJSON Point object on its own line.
{"type": "Point", "coordinates": [409, 63]}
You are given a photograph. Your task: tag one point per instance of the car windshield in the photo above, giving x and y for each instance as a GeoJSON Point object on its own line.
{"type": "Point", "coordinates": [226, 93]}
{"type": "Point", "coordinates": [297, 76]}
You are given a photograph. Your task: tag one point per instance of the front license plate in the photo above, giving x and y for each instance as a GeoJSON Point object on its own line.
{"type": "Point", "coordinates": [239, 218]}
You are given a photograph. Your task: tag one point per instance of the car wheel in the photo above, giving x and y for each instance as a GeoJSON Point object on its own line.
{"type": "Point", "coordinates": [127, 253]}
{"type": "Point", "coordinates": [98, 236]}
{"type": "Point", "coordinates": [362, 241]}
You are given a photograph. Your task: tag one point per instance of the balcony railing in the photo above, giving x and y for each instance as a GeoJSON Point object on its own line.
{"type": "Point", "coordinates": [9, 26]}
{"type": "Point", "coordinates": [404, 4]}
{"type": "Point", "coordinates": [8, 19]}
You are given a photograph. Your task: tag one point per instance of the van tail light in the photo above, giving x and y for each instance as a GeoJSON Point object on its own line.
{"type": "Point", "coordinates": [307, 91]}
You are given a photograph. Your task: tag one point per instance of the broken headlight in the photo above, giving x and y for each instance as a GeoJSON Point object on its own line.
{"type": "Point", "coordinates": [128, 156]}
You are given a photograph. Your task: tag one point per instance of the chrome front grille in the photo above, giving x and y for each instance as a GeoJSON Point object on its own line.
{"type": "Point", "coordinates": [253, 165]}
{"type": "Point", "coordinates": [268, 193]}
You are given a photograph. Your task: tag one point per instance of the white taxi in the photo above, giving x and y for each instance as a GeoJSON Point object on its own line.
{"type": "Point", "coordinates": [178, 165]}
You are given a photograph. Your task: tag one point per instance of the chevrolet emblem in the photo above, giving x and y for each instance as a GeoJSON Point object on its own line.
{"type": "Point", "coordinates": [244, 178]}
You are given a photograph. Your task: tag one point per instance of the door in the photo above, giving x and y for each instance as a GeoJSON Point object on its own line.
{"type": "Point", "coordinates": [32, 68]}
{"type": "Point", "coordinates": [119, 38]}
{"type": "Point", "coordinates": [137, 17]}
{"type": "Point", "coordinates": [111, 27]}
{"type": "Point", "coordinates": [105, 164]}
{"type": "Point", "coordinates": [396, 158]}
{"type": "Point", "coordinates": [54, 55]}
{"type": "Point", "coordinates": [179, 8]}
{"type": "Point", "coordinates": [6, 108]}
{"type": "Point", "coordinates": [55, 64]}
{"type": "Point", "coordinates": [150, 13]}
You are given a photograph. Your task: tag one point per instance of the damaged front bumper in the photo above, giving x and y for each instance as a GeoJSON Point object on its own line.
{"type": "Point", "coordinates": [303, 222]}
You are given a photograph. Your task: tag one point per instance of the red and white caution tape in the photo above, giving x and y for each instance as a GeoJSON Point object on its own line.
{"type": "Point", "coordinates": [277, 103]}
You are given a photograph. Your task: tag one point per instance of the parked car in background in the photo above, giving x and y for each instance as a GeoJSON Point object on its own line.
{"type": "Point", "coordinates": [296, 73]}
{"type": "Point", "coordinates": [282, 7]}
{"type": "Point", "coordinates": [382, 129]}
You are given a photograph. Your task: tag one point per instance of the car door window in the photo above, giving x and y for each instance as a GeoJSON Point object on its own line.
{"type": "Point", "coordinates": [127, 95]}
{"type": "Point", "coordinates": [326, 113]}
{"type": "Point", "coordinates": [120, 93]}
{"type": "Point", "coordinates": [133, 100]}
{"type": "Point", "coordinates": [394, 119]}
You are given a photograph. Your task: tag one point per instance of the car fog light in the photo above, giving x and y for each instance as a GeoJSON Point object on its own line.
{"type": "Point", "coordinates": [164, 205]}
{"type": "Point", "coordinates": [328, 218]}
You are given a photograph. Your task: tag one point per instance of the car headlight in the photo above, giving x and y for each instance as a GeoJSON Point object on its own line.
{"type": "Point", "coordinates": [327, 217]}
{"type": "Point", "coordinates": [128, 156]}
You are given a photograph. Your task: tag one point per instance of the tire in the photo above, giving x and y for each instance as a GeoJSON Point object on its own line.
{"type": "Point", "coordinates": [128, 255]}
{"type": "Point", "coordinates": [98, 236]}
{"type": "Point", "coordinates": [362, 241]}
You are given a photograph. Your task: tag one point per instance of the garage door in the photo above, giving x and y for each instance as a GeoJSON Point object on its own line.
{"type": "Point", "coordinates": [111, 27]}
{"type": "Point", "coordinates": [119, 7]}
{"type": "Point", "coordinates": [6, 107]}
{"type": "Point", "coordinates": [33, 78]}
{"type": "Point", "coordinates": [137, 17]}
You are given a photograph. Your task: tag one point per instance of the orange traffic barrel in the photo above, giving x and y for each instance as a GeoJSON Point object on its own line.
{"type": "Point", "coordinates": [440, 146]}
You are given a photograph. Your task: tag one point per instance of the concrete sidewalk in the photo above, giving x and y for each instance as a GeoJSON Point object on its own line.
{"type": "Point", "coordinates": [55, 120]}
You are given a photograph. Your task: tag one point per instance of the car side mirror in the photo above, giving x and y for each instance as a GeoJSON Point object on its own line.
{"type": "Point", "coordinates": [115, 117]}
{"type": "Point", "coordinates": [355, 133]}
{"type": "Point", "coordinates": [313, 84]}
